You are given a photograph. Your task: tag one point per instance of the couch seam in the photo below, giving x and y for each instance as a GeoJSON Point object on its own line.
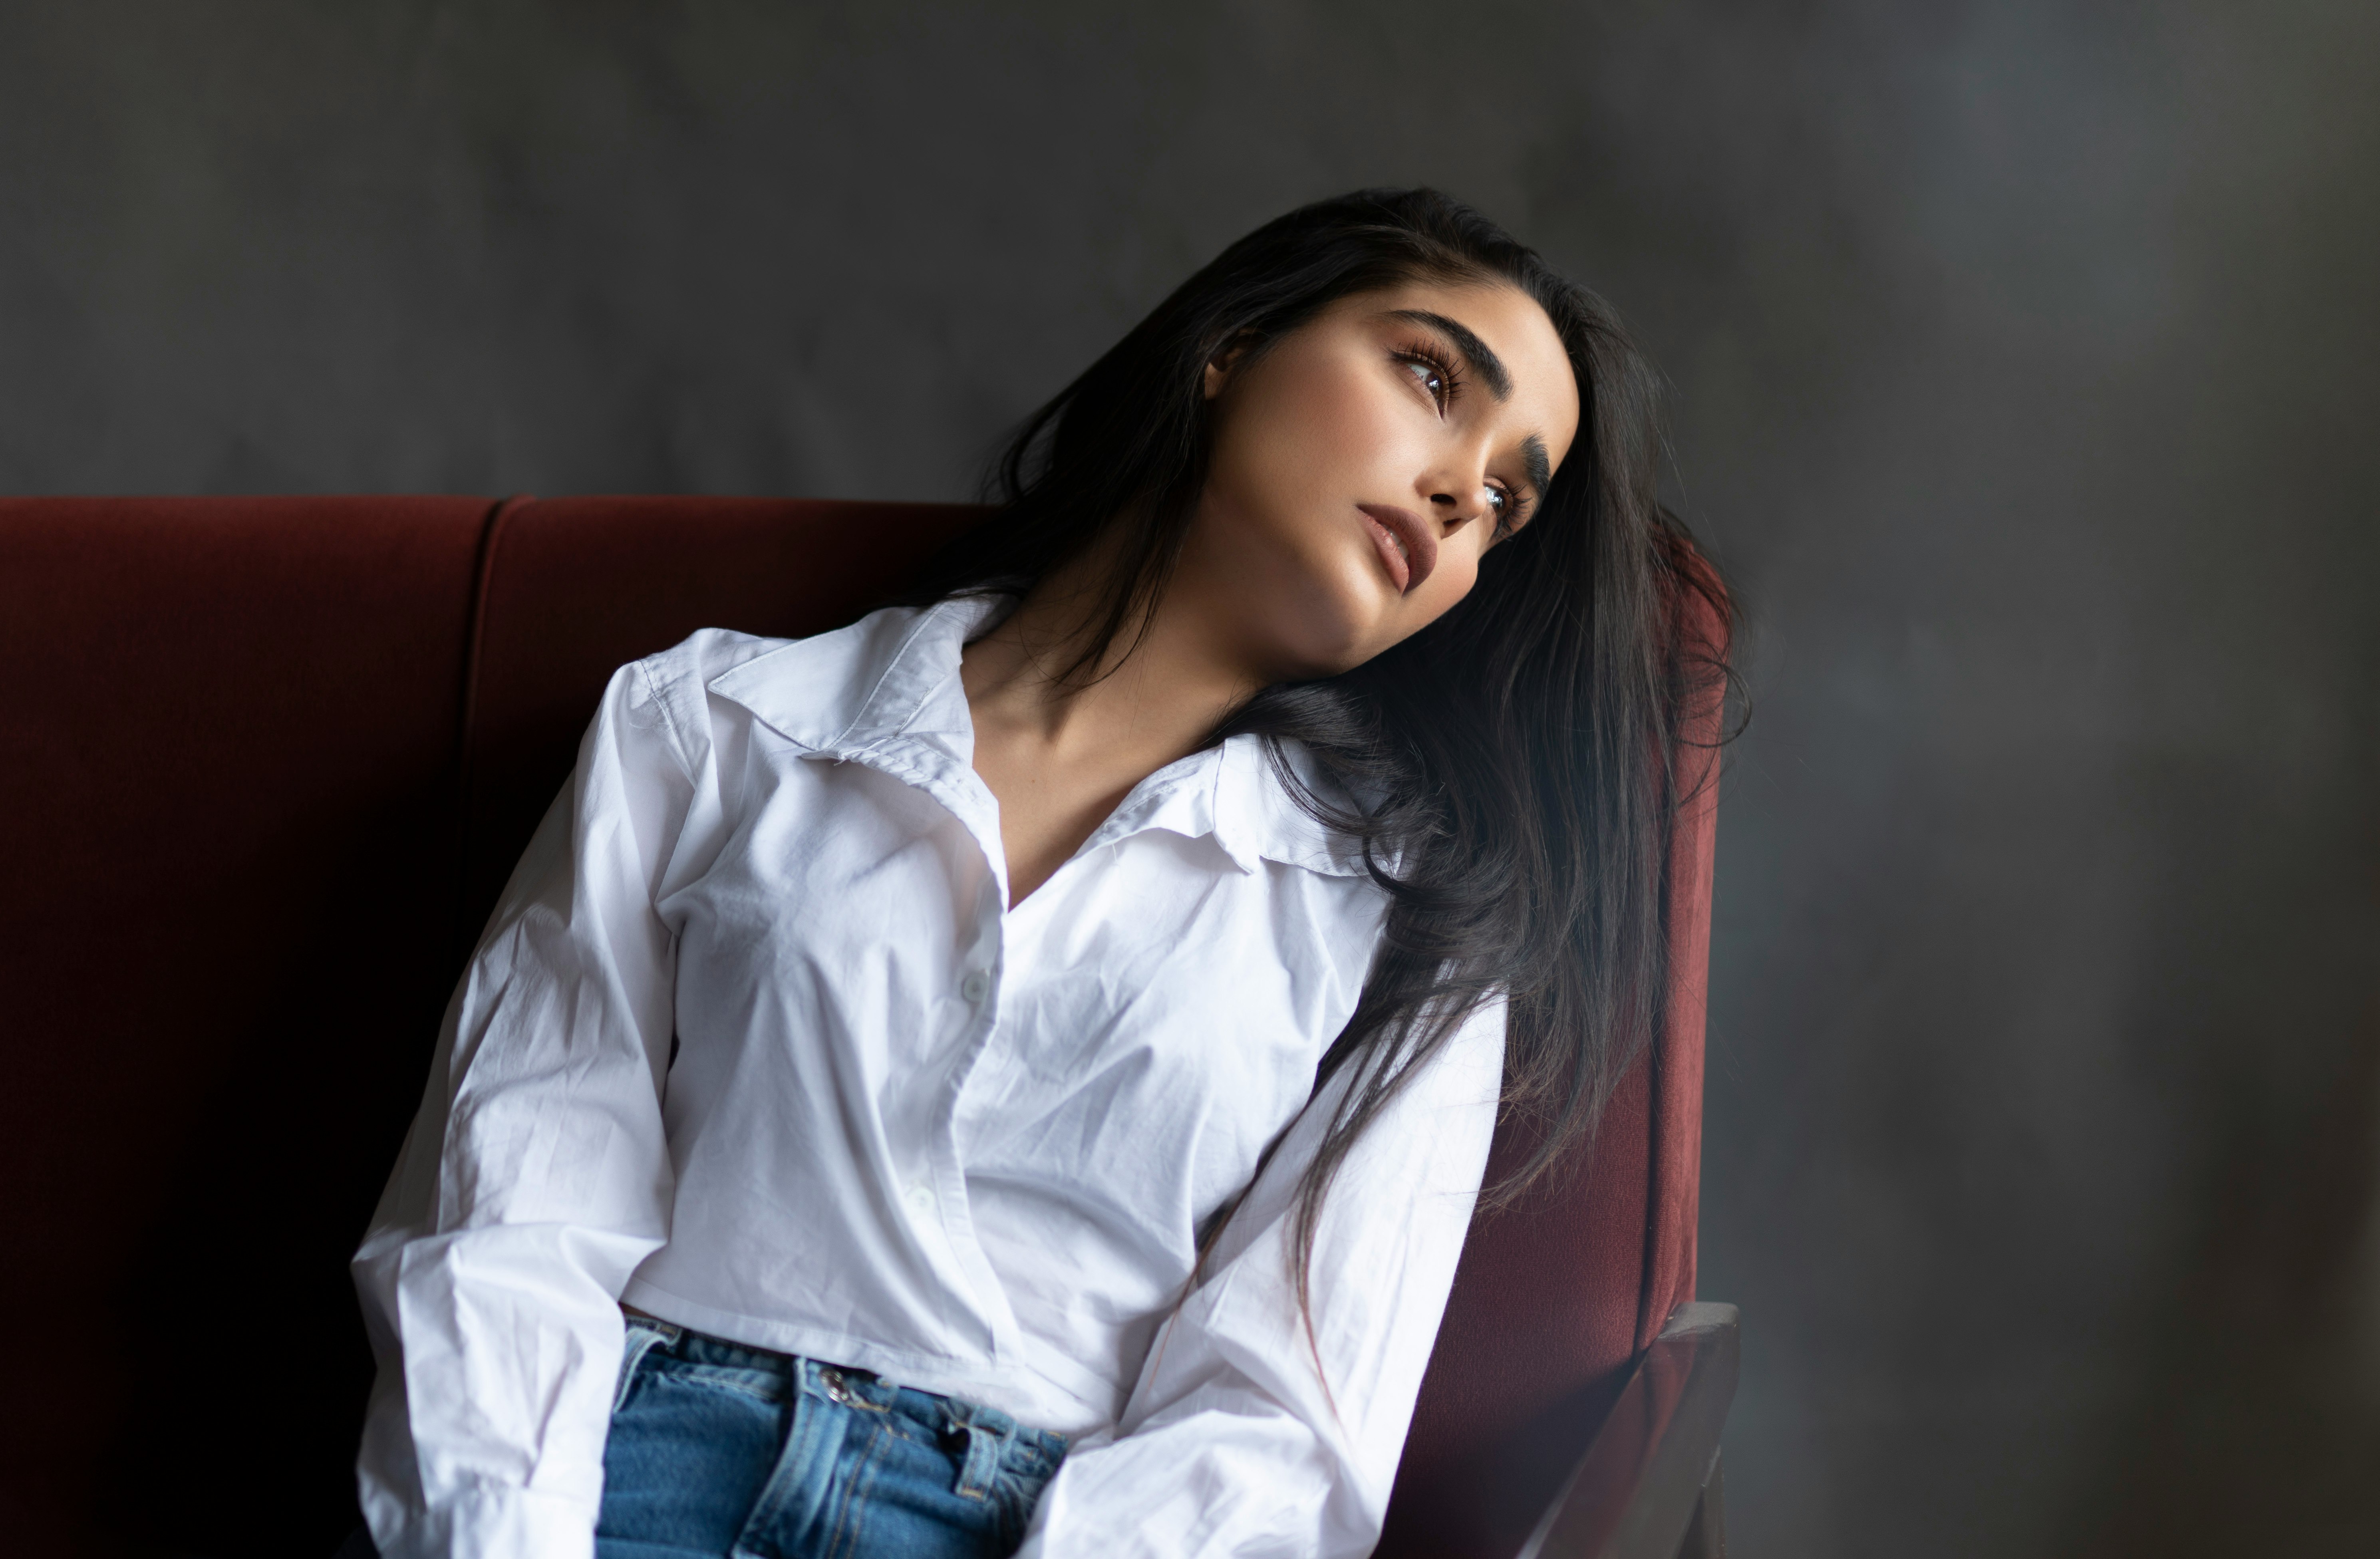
{"type": "Point", "coordinates": [491, 530]}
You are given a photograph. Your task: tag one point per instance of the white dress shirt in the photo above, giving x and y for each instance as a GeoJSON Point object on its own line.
{"type": "Point", "coordinates": [754, 1044]}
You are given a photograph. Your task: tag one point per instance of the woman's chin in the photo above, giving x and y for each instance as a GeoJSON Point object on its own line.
{"type": "Point", "coordinates": [1340, 613]}
{"type": "Point", "coordinates": [1341, 644]}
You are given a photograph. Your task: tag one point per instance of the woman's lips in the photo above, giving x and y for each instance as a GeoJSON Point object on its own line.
{"type": "Point", "coordinates": [1407, 546]}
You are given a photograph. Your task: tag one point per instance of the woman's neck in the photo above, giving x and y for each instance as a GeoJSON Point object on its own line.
{"type": "Point", "coordinates": [1059, 751]}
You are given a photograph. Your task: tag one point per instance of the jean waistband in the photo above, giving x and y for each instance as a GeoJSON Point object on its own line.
{"type": "Point", "coordinates": [846, 1385]}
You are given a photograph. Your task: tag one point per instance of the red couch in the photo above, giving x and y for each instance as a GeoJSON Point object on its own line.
{"type": "Point", "coordinates": [269, 760]}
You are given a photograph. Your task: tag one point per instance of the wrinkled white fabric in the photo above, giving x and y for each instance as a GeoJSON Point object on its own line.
{"type": "Point", "coordinates": [753, 1043]}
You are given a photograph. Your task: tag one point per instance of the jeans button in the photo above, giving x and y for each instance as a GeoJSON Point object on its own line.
{"type": "Point", "coordinates": [835, 1390]}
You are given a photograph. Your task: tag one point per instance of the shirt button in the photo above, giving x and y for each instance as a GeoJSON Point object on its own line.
{"type": "Point", "coordinates": [974, 985]}
{"type": "Point", "coordinates": [921, 1200]}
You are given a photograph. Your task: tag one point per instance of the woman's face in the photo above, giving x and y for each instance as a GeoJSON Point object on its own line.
{"type": "Point", "coordinates": [1364, 462]}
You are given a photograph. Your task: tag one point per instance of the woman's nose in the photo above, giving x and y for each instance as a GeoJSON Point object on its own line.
{"type": "Point", "coordinates": [1453, 511]}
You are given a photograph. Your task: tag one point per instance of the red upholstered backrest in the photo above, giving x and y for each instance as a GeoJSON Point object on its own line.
{"type": "Point", "coordinates": [270, 763]}
{"type": "Point", "coordinates": [226, 815]}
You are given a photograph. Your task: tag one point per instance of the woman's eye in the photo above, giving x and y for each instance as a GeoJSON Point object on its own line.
{"type": "Point", "coordinates": [1429, 377]}
{"type": "Point", "coordinates": [1504, 509]}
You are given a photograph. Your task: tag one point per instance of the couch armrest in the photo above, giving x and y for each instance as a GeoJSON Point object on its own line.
{"type": "Point", "coordinates": [1648, 1482]}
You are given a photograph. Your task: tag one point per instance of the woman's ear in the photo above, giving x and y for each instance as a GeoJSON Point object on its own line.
{"type": "Point", "coordinates": [1220, 366]}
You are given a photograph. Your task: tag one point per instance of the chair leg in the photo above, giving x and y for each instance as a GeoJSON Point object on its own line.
{"type": "Point", "coordinates": [1706, 1533]}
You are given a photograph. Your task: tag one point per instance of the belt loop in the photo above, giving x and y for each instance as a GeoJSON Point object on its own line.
{"type": "Point", "coordinates": [981, 1469]}
{"type": "Point", "coordinates": [642, 1338]}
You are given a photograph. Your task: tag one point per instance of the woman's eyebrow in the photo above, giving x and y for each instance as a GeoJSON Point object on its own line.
{"type": "Point", "coordinates": [1533, 457]}
{"type": "Point", "coordinates": [1481, 357]}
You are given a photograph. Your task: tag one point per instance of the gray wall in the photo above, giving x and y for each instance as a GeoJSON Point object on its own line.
{"type": "Point", "coordinates": [2024, 357]}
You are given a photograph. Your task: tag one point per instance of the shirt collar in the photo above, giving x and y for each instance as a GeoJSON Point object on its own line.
{"type": "Point", "coordinates": [886, 691]}
{"type": "Point", "coordinates": [892, 674]}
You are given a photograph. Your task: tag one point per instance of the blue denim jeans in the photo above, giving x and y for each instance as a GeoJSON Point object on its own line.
{"type": "Point", "coordinates": [718, 1449]}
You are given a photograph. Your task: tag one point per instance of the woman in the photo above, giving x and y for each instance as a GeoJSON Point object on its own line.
{"type": "Point", "coordinates": [1019, 1068]}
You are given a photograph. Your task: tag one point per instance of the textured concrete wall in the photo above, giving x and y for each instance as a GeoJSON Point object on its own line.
{"type": "Point", "coordinates": [2026, 368]}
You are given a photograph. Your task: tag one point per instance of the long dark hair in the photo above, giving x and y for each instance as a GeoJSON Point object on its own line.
{"type": "Point", "coordinates": [1515, 757]}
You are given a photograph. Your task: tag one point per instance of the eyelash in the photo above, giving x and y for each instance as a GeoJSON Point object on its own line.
{"type": "Point", "coordinates": [1429, 355]}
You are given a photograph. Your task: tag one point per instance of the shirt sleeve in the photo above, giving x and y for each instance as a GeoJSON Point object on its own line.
{"type": "Point", "coordinates": [1247, 1435]}
{"type": "Point", "coordinates": [534, 1177]}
